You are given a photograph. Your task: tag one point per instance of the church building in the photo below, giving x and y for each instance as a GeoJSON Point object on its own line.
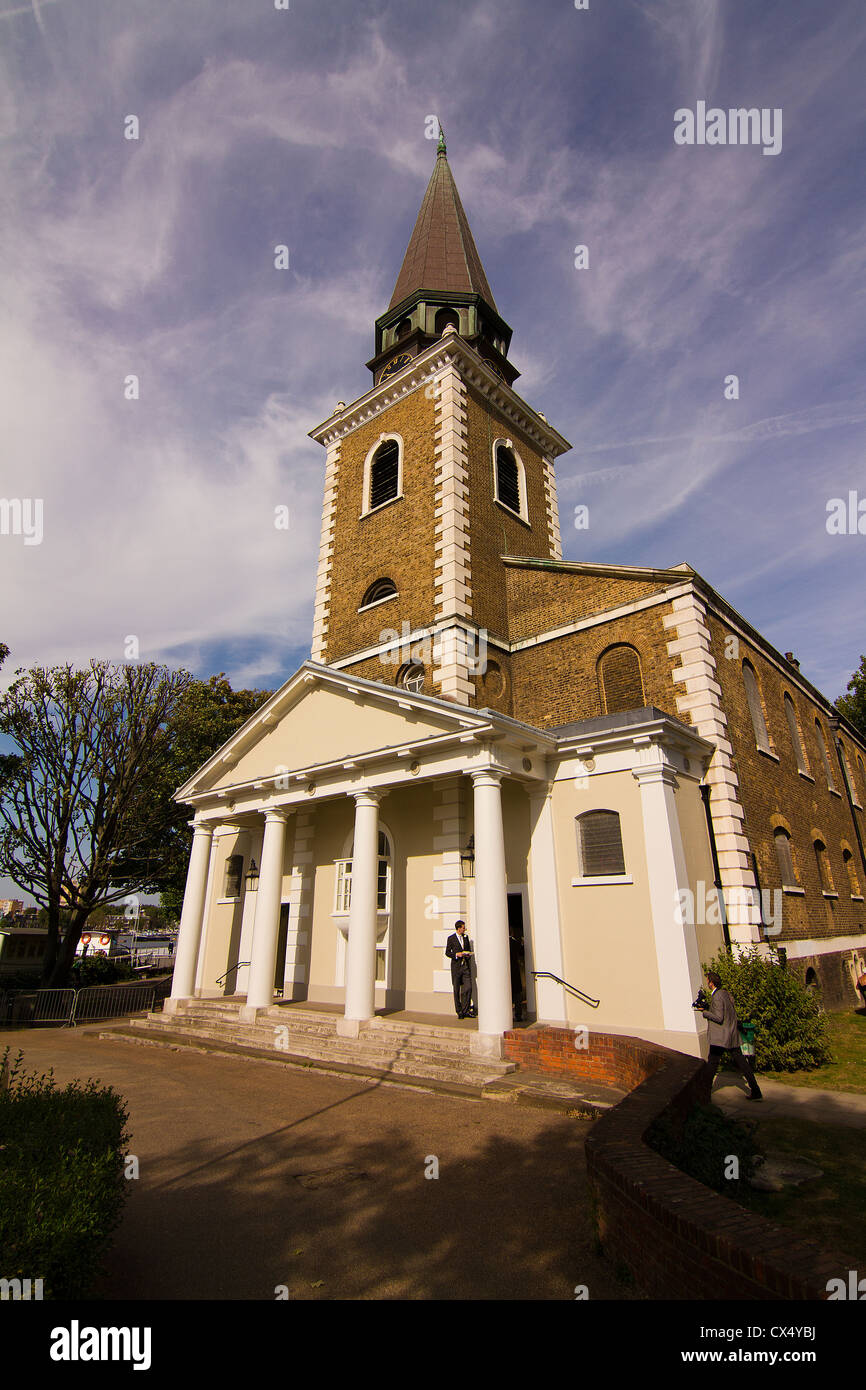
{"type": "Point", "coordinates": [603, 769]}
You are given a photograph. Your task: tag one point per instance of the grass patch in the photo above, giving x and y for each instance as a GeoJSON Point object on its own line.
{"type": "Point", "coordinates": [847, 1071]}
{"type": "Point", "coordinates": [830, 1210]}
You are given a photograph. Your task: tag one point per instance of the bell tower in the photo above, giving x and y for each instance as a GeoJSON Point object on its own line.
{"type": "Point", "coordinates": [432, 477]}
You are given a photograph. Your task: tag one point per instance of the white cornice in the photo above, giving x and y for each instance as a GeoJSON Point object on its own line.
{"type": "Point", "coordinates": [448, 351]}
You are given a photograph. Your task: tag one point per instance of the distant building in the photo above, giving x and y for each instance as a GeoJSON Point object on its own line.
{"type": "Point", "coordinates": [23, 944]}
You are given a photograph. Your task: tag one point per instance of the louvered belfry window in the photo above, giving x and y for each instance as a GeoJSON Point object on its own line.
{"type": "Point", "coordinates": [507, 479]}
{"type": "Point", "coordinates": [384, 473]}
{"type": "Point", "coordinates": [599, 839]}
{"type": "Point", "coordinates": [620, 680]}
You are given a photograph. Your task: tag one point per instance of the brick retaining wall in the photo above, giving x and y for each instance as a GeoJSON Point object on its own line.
{"type": "Point", "coordinates": [678, 1238]}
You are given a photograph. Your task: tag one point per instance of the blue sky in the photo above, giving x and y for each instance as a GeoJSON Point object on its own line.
{"type": "Point", "coordinates": [306, 127]}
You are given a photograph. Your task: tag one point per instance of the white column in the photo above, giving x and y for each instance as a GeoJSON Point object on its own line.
{"type": "Point", "coordinates": [546, 933]}
{"type": "Point", "coordinates": [677, 956]}
{"type": "Point", "coordinates": [495, 1015]}
{"type": "Point", "coordinates": [361, 946]}
{"type": "Point", "coordinates": [191, 918]}
{"type": "Point", "coordinates": [266, 929]}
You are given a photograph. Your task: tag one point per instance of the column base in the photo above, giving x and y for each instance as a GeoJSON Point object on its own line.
{"type": "Point", "coordinates": [349, 1027]}
{"type": "Point", "coordinates": [176, 1006]}
{"type": "Point", "coordinates": [487, 1045]}
{"type": "Point", "coordinates": [250, 1013]}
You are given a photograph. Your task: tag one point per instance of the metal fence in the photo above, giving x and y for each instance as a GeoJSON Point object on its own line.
{"type": "Point", "coordinates": [37, 1006]}
{"type": "Point", "coordinates": [69, 1006]}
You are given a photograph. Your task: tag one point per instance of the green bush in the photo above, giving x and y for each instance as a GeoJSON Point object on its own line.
{"type": "Point", "coordinates": [703, 1145]}
{"type": "Point", "coordinates": [62, 1184]}
{"type": "Point", "coordinates": [791, 1030]}
{"type": "Point", "coordinates": [99, 970]}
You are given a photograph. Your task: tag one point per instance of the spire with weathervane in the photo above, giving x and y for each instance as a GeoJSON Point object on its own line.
{"type": "Point", "coordinates": [441, 283]}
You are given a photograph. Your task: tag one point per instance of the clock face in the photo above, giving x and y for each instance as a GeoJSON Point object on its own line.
{"type": "Point", "coordinates": [396, 364]}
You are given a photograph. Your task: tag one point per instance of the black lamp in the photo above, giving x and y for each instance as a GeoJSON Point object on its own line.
{"type": "Point", "coordinates": [252, 878]}
{"type": "Point", "coordinates": [467, 859]}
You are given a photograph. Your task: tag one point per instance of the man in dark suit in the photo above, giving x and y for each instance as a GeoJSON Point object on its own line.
{"type": "Point", "coordinates": [724, 1034]}
{"type": "Point", "coordinates": [458, 949]}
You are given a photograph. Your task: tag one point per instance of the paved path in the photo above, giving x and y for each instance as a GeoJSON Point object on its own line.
{"type": "Point", "coordinates": [254, 1175]}
{"type": "Point", "coordinates": [780, 1101]}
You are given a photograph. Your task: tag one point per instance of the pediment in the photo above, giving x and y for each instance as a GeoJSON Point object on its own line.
{"type": "Point", "coordinates": [311, 721]}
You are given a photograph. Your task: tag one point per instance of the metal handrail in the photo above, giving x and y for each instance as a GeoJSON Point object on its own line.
{"type": "Point", "coordinates": [578, 993]}
{"type": "Point", "coordinates": [238, 965]}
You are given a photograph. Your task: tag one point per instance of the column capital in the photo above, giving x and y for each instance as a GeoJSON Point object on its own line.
{"type": "Point", "coordinates": [278, 813]}
{"type": "Point", "coordinates": [201, 827]}
{"type": "Point", "coordinates": [367, 798]}
{"type": "Point", "coordinates": [486, 777]}
{"type": "Point", "coordinates": [646, 775]}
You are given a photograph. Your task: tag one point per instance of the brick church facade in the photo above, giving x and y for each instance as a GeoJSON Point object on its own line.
{"type": "Point", "coordinates": [558, 752]}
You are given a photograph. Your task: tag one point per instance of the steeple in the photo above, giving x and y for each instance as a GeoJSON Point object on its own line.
{"type": "Point", "coordinates": [442, 254]}
{"type": "Point", "coordinates": [441, 283]}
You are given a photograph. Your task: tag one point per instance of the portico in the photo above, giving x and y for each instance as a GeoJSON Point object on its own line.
{"type": "Point", "coordinates": [334, 879]}
{"type": "Point", "coordinates": [447, 778]}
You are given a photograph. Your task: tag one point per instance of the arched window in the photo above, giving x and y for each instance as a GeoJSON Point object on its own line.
{"type": "Point", "coordinates": [785, 858]}
{"type": "Point", "coordinates": [862, 778]}
{"type": "Point", "coordinates": [853, 883]}
{"type": "Point", "coordinates": [234, 874]}
{"type": "Point", "coordinates": [756, 709]}
{"type": "Point", "coordinates": [385, 473]}
{"type": "Point", "coordinates": [443, 319]}
{"type": "Point", "coordinates": [599, 844]}
{"type": "Point", "coordinates": [507, 479]}
{"type": "Point", "coordinates": [380, 589]}
{"type": "Point", "coordinates": [404, 328]}
{"type": "Point", "coordinates": [822, 749]}
{"type": "Point", "coordinates": [849, 775]}
{"type": "Point", "coordinates": [343, 899]}
{"type": "Point", "coordinates": [794, 731]}
{"type": "Point", "coordinates": [822, 859]}
{"type": "Point", "coordinates": [411, 676]}
{"type": "Point", "coordinates": [620, 682]}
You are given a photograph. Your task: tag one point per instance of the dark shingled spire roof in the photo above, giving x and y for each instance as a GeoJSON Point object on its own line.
{"type": "Point", "coordinates": [442, 254]}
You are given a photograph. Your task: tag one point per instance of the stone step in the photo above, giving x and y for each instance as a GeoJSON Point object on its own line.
{"type": "Point", "coordinates": [378, 1049]}
{"type": "Point", "coordinates": [463, 1080]}
{"type": "Point", "coordinates": [412, 1061]}
{"type": "Point", "coordinates": [311, 1025]}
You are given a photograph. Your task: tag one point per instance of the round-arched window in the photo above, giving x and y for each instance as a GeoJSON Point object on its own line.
{"type": "Point", "coordinates": [379, 589]}
{"type": "Point", "coordinates": [444, 318]}
{"type": "Point", "coordinates": [620, 682]}
{"type": "Point", "coordinates": [411, 676]}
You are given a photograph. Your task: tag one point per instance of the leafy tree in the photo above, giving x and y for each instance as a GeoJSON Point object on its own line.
{"type": "Point", "coordinates": [206, 716]}
{"type": "Point", "coordinates": [853, 705]}
{"type": "Point", "coordinates": [74, 807]}
{"type": "Point", "coordinates": [790, 1028]}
